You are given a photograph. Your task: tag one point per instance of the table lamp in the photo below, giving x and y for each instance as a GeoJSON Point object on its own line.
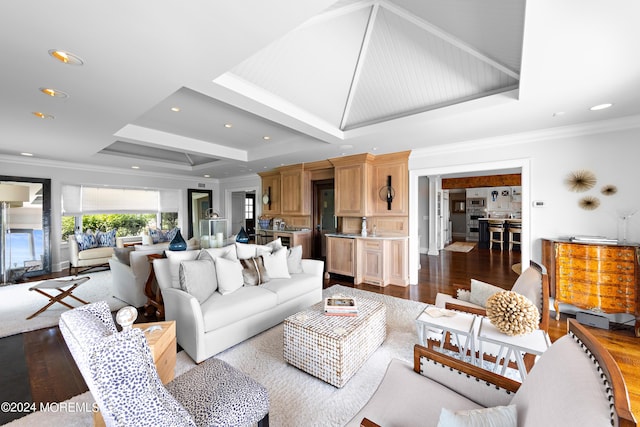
{"type": "Point", "coordinates": [10, 196]}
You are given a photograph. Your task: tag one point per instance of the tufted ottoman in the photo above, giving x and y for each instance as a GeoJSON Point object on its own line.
{"type": "Point", "coordinates": [217, 394]}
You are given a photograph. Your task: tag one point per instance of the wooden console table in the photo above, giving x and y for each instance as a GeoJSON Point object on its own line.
{"type": "Point", "coordinates": [602, 278]}
{"type": "Point", "coordinates": [152, 291]}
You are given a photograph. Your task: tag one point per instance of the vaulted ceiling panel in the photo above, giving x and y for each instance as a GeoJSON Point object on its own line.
{"type": "Point", "coordinates": [313, 66]}
{"type": "Point", "coordinates": [406, 67]}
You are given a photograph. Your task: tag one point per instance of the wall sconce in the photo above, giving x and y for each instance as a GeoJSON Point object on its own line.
{"type": "Point", "coordinates": [266, 198]}
{"type": "Point", "coordinates": [387, 193]}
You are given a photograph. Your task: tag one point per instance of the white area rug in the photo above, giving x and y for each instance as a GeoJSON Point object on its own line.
{"type": "Point", "coordinates": [17, 303]}
{"type": "Point", "coordinates": [296, 398]}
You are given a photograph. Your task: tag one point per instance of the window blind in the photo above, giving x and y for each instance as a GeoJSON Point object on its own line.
{"type": "Point", "coordinates": [78, 200]}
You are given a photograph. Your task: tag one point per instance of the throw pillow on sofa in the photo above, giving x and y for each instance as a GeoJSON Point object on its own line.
{"type": "Point", "coordinates": [276, 264]}
{"type": "Point", "coordinates": [175, 258]}
{"type": "Point", "coordinates": [228, 252]}
{"type": "Point", "coordinates": [481, 291]}
{"type": "Point", "coordinates": [294, 260]}
{"type": "Point", "coordinates": [254, 272]}
{"type": "Point", "coordinates": [123, 254]}
{"type": "Point", "coordinates": [106, 238]}
{"type": "Point", "coordinates": [160, 236]}
{"type": "Point", "coordinates": [250, 250]}
{"type": "Point", "coordinates": [198, 278]}
{"type": "Point", "coordinates": [229, 275]}
{"type": "Point", "coordinates": [86, 240]}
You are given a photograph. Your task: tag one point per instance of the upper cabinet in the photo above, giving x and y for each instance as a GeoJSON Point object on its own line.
{"type": "Point", "coordinates": [393, 169]}
{"type": "Point", "coordinates": [352, 181]}
{"type": "Point", "coordinates": [270, 192]}
{"type": "Point", "coordinates": [295, 191]}
{"type": "Point", "coordinates": [361, 184]}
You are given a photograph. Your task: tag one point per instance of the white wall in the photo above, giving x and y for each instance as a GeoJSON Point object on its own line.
{"type": "Point", "coordinates": [64, 174]}
{"type": "Point", "coordinates": [611, 155]}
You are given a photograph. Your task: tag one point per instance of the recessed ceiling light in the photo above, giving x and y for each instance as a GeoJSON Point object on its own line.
{"type": "Point", "coordinates": [558, 113]}
{"type": "Point", "coordinates": [66, 57]}
{"type": "Point", "coordinates": [207, 176]}
{"type": "Point", "coordinates": [600, 107]}
{"type": "Point", "coordinates": [228, 125]}
{"type": "Point", "coordinates": [42, 115]}
{"type": "Point", "coordinates": [175, 109]}
{"type": "Point", "coordinates": [135, 167]}
{"type": "Point", "coordinates": [374, 148]}
{"type": "Point", "coordinates": [26, 154]}
{"type": "Point", "coordinates": [54, 92]}
{"type": "Point", "coordinates": [266, 138]}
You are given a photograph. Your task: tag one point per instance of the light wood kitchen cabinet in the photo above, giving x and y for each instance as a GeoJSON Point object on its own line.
{"type": "Point", "coordinates": [352, 181]}
{"type": "Point", "coordinates": [596, 277]}
{"type": "Point", "coordinates": [295, 189]}
{"type": "Point", "coordinates": [270, 187]}
{"type": "Point", "coordinates": [372, 261]}
{"type": "Point", "coordinates": [341, 256]}
{"type": "Point", "coordinates": [396, 256]}
{"type": "Point", "coordinates": [399, 173]}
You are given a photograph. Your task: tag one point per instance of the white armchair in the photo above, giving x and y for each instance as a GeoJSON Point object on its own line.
{"type": "Point", "coordinates": [576, 383]}
{"type": "Point", "coordinates": [129, 280]}
{"type": "Point", "coordinates": [87, 258]}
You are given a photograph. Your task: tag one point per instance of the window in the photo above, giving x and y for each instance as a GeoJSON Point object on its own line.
{"type": "Point", "coordinates": [128, 210]}
{"type": "Point", "coordinates": [248, 208]}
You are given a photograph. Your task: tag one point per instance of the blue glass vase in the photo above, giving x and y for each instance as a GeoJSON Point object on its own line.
{"type": "Point", "coordinates": [178, 243]}
{"type": "Point", "coordinates": [242, 237]}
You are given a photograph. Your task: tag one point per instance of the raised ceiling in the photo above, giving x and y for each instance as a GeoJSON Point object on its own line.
{"type": "Point", "coordinates": [320, 78]}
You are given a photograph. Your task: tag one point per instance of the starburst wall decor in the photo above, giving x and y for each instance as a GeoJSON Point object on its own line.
{"type": "Point", "coordinates": [589, 203]}
{"type": "Point", "coordinates": [581, 180]}
{"type": "Point", "coordinates": [609, 190]}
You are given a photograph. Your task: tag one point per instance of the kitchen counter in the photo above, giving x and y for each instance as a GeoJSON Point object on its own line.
{"type": "Point", "coordinates": [370, 237]}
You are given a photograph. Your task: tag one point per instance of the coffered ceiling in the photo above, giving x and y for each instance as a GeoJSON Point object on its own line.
{"type": "Point", "coordinates": [257, 84]}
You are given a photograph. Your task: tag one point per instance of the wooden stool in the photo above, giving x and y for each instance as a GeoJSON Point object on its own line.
{"type": "Point", "coordinates": [515, 229]}
{"type": "Point", "coordinates": [496, 227]}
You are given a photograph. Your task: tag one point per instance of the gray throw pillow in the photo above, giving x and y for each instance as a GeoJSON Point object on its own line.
{"type": "Point", "coordinates": [253, 271]}
{"type": "Point", "coordinates": [122, 254]}
{"type": "Point", "coordinates": [198, 278]}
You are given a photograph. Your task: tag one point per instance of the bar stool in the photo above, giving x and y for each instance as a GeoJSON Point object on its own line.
{"type": "Point", "coordinates": [496, 228]}
{"type": "Point", "coordinates": [515, 229]}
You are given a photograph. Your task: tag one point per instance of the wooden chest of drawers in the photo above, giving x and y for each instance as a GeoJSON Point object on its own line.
{"type": "Point", "coordinates": [596, 277]}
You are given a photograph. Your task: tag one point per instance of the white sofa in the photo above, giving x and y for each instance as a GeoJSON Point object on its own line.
{"type": "Point", "coordinates": [205, 328]}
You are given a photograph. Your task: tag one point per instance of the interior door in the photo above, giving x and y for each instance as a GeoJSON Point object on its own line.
{"type": "Point", "coordinates": [323, 216]}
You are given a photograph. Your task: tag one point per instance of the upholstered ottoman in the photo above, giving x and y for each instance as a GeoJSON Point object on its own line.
{"type": "Point", "coordinates": [217, 394]}
{"type": "Point", "coordinates": [333, 348]}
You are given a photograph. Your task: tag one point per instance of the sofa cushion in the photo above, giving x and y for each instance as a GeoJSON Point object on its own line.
{"type": "Point", "coordinates": [250, 250]}
{"type": "Point", "coordinates": [222, 310]}
{"type": "Point", "coordinates": [175, 258]}
{"type": "Point", "coordinates": [253, 271]}
{"type": "Point", "coordinates": [498, 416]}
{"type": "Point", "coordinates": [228, 252]}
{"type": "Point", "coordinates": [529, 284]}
{"type": "Point", "coordinates": [86, 240]}
{"type": "Point", "coordinates": [481, 291]}
{"type": "Point", "coordinates": [95, 253]}
{"type": "Point", "coordinates": [409, 392]}
{"type": "Point", "coordinates": [276, 264]}
{"type": "Point", "coordinates": [560, 393]}
{"type": "Point", "coordinates": [198, 278]}
{"type": "Point", "coordinates": [294, 260]}
{"type": "Point", "coordinates": [122, 254]}
{"type": "Point", "coordinates": [288, 289]}
{"type": "Point", "coordinates": [229, 275]}
{"type": "Point", "coordinates": [106, 238]}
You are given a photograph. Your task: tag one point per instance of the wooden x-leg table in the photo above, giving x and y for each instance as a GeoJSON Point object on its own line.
{"type": "Point", "coordinates": [58, 285]}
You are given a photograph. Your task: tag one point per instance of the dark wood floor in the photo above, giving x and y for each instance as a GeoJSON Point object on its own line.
{"type": "Point", "coordinates": [40, 368]}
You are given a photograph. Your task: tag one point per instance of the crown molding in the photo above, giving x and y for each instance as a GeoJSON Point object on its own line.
{"type": "Point", "coordinates": [587, 128]}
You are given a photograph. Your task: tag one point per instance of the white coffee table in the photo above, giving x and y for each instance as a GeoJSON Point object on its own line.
{"type": "Point", "coordinates": [536, 342]}
{"type": "Point", "coordinates": [457, 324]}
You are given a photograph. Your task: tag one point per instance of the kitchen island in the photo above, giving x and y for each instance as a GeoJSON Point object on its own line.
{"type": "Point", "coordinates": [377, 260]}
{"type": "Point", "coordinates": [483, 242]}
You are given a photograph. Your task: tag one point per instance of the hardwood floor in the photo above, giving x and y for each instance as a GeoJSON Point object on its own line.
{"type": "Point", "coordinates": [38, 367]}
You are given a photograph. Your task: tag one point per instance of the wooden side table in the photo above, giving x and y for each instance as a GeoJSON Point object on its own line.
{"type": "Point", "coordinates": [153, 293]}
{"type": "Point", "coordinates": [162, 343]}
